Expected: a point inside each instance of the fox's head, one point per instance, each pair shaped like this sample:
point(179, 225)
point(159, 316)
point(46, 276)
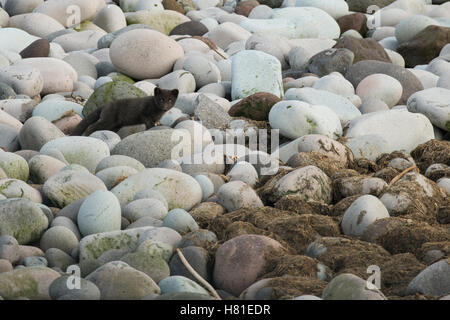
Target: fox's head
point(165, 99)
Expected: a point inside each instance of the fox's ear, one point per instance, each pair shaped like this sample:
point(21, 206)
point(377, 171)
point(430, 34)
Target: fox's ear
point(157, 91)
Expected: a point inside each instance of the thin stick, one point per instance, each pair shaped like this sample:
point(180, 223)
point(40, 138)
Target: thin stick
point(216, 51)
point(197, 276)
point(401, 174)
point(212, 48)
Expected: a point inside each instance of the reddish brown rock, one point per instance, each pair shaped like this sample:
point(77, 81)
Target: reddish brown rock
point(17, 253)
point(241, 260)
point(425, 46)
point(245, 7)
point(68, 123)
point(256, 107)
point(355, 21)
point(363, 49)
point(173, 5)
point(287, 79)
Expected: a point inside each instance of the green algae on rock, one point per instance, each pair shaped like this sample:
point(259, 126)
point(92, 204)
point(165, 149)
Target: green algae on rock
point(22, 219)
point(32, 283)
point(111, 91)
point(14, 166)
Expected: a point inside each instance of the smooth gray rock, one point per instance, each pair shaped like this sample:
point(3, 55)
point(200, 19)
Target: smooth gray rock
point(117, 280)
point(87, 291)
point(331, 60)
point(347, 286)
point(434, 280)
point(197, 258)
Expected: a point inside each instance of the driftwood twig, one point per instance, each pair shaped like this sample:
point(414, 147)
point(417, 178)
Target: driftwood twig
point(401, 174)
point(197, 276)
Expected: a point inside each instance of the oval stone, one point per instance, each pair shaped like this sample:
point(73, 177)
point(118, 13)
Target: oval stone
point(22, 219)
point(31, 283)
point(295, 119)
point(154, 146)
point(135, 52)
point(179, 189)
point(240, 261)
point(361, 213)
point(36, 132)
point(68, 186)
point(23, 79)
point(14, 166)
point(402, 130)
point(58, 75)
point(100, 212)
point(84, 151)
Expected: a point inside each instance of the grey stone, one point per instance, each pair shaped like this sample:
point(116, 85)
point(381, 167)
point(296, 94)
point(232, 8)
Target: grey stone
point(434, 280)
point(151, 147)
point(331, 60)
point(347, 286)
point(211, 114)
point(58, 258)
point(152, 265)
point(59, 237)
point(198, 259)
point(117, 280)
point(87, 290)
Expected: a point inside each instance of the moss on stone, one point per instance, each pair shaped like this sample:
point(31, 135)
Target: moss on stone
point(14, 166)
point(312, 125)
point(162, 21)
point(111, 91)
point(116, 76)
point(99, 246)
point(154, 266)
point(22, 219)
point(29, 282)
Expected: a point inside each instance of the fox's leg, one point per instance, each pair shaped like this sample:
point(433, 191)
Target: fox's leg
point(149, 124)
point(86, 122)
point(107, 121)
point(99, 125)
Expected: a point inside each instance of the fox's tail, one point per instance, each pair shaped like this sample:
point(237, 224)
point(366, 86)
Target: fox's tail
point(86, 122)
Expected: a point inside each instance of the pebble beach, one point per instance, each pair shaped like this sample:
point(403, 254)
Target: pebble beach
point(307, 155)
